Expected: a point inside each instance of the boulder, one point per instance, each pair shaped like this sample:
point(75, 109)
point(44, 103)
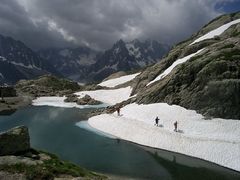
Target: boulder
point(87, 100)
point(71, 98)
point(14, 141)
point(94, 102)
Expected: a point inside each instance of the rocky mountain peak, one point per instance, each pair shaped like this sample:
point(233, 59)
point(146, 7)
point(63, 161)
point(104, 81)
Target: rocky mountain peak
point(17, 61)
point(127, 56)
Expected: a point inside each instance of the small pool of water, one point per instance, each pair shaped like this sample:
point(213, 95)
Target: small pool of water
point(54, 130)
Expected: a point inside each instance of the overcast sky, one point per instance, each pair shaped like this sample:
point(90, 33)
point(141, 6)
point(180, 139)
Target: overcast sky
point(100, 23)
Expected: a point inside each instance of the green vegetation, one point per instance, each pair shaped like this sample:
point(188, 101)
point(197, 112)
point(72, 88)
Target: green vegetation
point(228, 46)
point(47, 85)
point(230, 55)
point(55, 83)
point(51, 168)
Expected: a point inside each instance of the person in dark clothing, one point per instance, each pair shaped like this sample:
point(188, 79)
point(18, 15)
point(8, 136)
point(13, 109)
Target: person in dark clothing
point(175, 126)
point(156, 121)
point(118, 111)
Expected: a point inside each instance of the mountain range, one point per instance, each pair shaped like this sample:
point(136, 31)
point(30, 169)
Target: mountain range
point(85, 64)
point(17, 61)
point(82, 64)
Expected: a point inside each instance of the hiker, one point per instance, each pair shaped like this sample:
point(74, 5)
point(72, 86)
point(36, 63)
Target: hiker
point(175, 126)
point(2, 94)
point(156, 121)
point(118, 111)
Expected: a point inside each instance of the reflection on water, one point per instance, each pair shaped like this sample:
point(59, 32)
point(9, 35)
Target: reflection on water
point(54, 130)
point(7, 112)
point(179, 170)
point(85, 125)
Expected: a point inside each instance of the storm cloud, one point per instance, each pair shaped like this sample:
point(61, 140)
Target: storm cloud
point(99, 23)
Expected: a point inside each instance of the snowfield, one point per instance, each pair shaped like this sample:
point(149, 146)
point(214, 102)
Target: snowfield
point(109, 96)
point(215, 140)
point(170, 68)
point(117, 81)
point(216, 32)
point(59, 102)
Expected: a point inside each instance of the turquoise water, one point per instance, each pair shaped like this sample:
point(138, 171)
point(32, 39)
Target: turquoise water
point(54, 130)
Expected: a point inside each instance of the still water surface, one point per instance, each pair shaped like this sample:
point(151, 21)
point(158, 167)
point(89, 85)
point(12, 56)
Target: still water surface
point(54, 130)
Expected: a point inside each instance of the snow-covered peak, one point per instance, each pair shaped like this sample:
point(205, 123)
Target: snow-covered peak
point(133, 50)
point(216, 32)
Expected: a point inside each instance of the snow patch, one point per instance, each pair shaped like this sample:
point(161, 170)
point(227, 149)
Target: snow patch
point(215, 140)
point(110, 96)
point(59, 102)
point(30, 66)
point(177, 62)
point(116, 50)
point(133, 51)
point(2, 58)
point(1, 76)
point(117, 81)
point(216, 32)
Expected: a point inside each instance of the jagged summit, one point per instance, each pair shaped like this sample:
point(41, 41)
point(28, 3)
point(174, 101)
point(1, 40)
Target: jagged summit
point(85, 64)
point(17, 61)
point(126, 56)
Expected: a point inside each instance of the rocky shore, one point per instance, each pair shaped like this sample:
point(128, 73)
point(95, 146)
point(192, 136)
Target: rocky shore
point(19, 161)
point(10, 104)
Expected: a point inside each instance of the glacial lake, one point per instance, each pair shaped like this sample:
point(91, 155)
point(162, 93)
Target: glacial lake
point(54, 130)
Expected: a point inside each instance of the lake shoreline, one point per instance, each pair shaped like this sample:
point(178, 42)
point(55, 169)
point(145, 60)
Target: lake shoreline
point(147, 148)
point(89, 150)
point(11, 104)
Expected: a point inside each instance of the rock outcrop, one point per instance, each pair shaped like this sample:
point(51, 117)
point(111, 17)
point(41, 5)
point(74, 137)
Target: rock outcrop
point(7, 91)
point(47, 85)
point(14, 141)
point(71, 98)
point(86, 100)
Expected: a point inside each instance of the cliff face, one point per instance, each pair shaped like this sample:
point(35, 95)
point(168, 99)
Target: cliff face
point(208, 82)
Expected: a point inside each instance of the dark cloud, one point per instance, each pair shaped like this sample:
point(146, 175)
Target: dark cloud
point(99, 23)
